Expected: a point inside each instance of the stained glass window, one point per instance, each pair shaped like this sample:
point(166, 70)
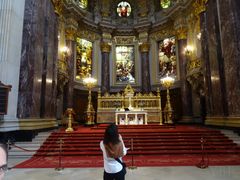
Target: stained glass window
point(165, 3)
point(83, 58)
point(124, 9)
point(82, 3)
point(125, 71)
point(167, 57)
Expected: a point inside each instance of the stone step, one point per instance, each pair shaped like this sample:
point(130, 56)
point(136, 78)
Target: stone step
point(26, 149)
point(232, 135)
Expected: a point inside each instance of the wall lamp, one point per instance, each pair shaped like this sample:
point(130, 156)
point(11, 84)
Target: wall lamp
point(188, 50)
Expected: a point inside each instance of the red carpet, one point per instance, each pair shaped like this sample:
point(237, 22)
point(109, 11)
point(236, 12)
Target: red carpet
point(153, 145)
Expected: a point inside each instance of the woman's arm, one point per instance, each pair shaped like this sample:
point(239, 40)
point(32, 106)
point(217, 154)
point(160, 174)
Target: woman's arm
point(123, 145)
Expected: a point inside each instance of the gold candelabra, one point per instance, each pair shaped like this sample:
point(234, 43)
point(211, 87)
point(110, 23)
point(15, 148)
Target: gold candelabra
point(90, 82)
point(167, 82)
point(69, 113)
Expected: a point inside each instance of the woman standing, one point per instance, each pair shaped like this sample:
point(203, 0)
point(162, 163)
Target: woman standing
point(3, 160)
point(113, 150)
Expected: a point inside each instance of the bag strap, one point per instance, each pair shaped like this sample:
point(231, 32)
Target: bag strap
point(118, 160)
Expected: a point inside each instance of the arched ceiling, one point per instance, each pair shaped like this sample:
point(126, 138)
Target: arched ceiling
point(101, 16)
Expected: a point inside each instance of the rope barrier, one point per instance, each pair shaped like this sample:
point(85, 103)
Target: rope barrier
point(27, 150)
point(60, 168)
point(132, 166)
point(203, 163)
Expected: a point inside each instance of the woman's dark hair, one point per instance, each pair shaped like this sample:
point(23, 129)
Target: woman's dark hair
point(111, 135)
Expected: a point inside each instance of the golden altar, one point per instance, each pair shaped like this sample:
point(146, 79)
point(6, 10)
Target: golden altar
point(133, 117)
point(111, 106)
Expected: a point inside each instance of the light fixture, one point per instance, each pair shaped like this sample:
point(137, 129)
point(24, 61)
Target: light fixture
point(168, 82)
point(199, 35)
point(90, 82)
point(65, 50)
point(188, 50)
point(165, 3)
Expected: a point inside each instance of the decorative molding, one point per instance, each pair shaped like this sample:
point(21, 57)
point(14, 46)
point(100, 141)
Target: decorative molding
point(125, 40)
point(166, 31)
point(195, 75)
point(89, 35)
point(223, 121)
point(31, 124)
point(62, 75)
point(143, 36)
point(193, 64)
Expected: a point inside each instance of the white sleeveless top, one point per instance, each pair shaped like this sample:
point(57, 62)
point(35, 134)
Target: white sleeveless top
point(110, 164)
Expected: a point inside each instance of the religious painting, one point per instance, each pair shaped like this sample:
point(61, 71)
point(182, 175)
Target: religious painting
point(167, 57)
point(83, 58)
point(125, 71)
point(124, 9)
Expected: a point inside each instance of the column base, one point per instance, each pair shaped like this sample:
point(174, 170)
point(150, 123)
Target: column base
point(223, 121)
point(190, 119)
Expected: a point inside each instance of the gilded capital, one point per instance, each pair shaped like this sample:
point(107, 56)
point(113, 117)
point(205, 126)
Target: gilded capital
point(105, 47)
point(58, 6)
point(199, 6)
point(181, 33)
point(70, 34)
point(71, 29)
point(144, 47)
point(180, 26)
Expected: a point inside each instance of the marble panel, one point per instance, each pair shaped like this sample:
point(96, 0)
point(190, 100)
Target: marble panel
point(51, 54)
point(37, 62)
point(38, 33)
point(185, 87)
point(231, 52)
point(212, 26)
point(70, 61)
point(26, 77)
point(206, 63)
point(105, 73)
point(146, 86)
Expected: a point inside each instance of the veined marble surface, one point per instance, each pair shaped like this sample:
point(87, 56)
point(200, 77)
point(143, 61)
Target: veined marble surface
point(141, 173)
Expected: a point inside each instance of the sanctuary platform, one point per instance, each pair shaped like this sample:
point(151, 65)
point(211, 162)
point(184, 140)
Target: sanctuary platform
point(150, 145)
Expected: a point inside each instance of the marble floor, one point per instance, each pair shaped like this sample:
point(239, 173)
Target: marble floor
point(141, 173)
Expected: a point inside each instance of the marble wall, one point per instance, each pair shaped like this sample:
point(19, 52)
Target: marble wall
point(215, 59)
point(230, 51)
point(222, 65)
point(39, 50)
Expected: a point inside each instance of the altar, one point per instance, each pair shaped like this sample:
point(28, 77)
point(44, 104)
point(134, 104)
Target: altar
point(133, 117)
point(129, 107)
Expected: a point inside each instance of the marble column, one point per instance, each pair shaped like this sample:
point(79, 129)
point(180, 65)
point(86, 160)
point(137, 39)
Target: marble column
point(50, 60)
point(144, 50)
point(36, 87)
point(214, 64)
point(206, 64)
point(71, 29)
point(105, 85)
point(229, 67)
point(71, 44)
point(186, 93)
point(11, 23)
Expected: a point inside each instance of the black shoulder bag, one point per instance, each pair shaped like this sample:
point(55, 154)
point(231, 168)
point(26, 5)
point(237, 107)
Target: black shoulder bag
point(123, 165)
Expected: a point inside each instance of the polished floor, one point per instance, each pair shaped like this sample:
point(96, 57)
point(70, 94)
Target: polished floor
point(143, 173)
